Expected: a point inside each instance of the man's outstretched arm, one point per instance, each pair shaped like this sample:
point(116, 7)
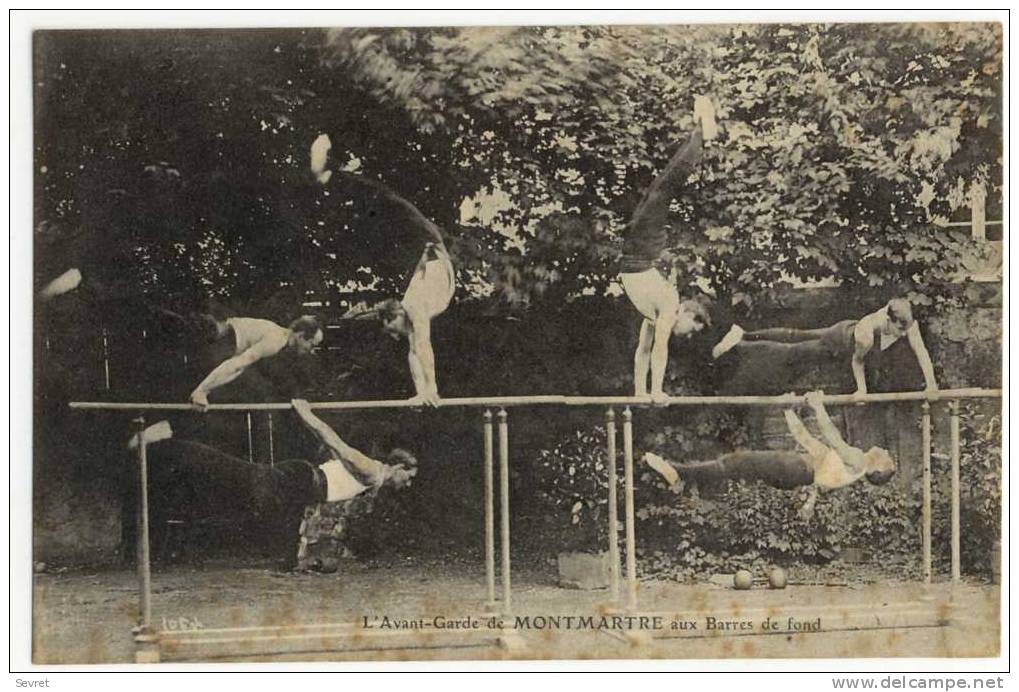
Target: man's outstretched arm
point(362, 464)
point(814, 447)
point(828, 430)
point(232, 368)
point(923, 357)
point(421, 357)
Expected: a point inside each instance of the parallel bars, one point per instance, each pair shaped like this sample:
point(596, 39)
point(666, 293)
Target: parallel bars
point(147, 638)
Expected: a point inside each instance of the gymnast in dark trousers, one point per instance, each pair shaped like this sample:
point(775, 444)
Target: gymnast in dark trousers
point(780, 349)
point(651, 287)
point(205, 482)
point(819, 466)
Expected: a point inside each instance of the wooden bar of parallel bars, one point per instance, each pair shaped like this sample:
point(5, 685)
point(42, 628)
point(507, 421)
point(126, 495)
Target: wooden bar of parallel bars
point(146, 637)
point(505, 401)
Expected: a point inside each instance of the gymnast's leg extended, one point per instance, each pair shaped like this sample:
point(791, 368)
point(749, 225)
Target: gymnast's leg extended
point(780, 469)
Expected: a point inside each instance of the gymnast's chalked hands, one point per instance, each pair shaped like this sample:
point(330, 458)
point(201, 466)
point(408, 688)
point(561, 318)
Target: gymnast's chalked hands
point(200, 400)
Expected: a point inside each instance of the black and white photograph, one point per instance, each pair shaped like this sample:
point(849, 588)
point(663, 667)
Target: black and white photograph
point(552, 341)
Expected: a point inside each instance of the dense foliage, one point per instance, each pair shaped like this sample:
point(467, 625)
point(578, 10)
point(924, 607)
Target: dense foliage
point(173, 168)
point(696, 532)
point(839, 145)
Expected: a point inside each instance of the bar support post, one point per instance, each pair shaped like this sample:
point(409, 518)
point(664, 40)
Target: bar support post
point(925, 425)
point(956, 490)
point(610, 433)
point(504, 513)
point(491, 604)
point(631, 537)
point(272, 446)
point(146, 639)
point(251, 442)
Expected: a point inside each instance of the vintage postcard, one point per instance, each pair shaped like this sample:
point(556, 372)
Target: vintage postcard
point(674, 341)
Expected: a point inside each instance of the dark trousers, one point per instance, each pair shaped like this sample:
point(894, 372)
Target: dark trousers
point(199, 484)
point(779, 469)
point(833, 341)
point(767, 361)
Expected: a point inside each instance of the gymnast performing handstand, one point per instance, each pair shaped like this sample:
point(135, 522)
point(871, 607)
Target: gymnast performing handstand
point(429, 291)
point(819, 466)
point(651, 290)
point(781, 348)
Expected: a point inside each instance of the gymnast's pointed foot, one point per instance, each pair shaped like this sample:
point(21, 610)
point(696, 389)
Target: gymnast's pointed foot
point(663, 468)
point(154, 433)
point(728, 342)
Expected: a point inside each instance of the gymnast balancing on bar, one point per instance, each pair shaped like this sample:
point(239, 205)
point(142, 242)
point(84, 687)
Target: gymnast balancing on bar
point(429, 291)
point(214, 482)
point(247, 340)
point(820, 466)
point(653, 292)
point(849, 339)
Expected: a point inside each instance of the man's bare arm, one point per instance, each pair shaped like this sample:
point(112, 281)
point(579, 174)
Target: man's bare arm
point(922, 355)
point(360, 463)
point(828, 430)
point(422, 359)
point(860, 351)
point(814, 447)
point(232, 368)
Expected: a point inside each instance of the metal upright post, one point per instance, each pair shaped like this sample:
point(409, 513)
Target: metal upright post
point(956, 530)
point(106, 359)
point(144, 636)
point(925, 424)
point(489, 512)
point(631, 537)
point(610, 432)
point(272, 447)
point(251, 443)
point(504, 515)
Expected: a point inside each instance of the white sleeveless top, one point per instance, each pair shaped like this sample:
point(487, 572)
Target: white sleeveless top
point(340, 482)
point(832, 472)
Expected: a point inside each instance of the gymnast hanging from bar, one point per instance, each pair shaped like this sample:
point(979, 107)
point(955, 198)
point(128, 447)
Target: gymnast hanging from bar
point(208, 482)
point(819, 466)
point(429, 290)
point(779, 349)
point(650, 288)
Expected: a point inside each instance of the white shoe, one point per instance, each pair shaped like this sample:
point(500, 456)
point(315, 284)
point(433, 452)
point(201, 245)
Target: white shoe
point(663, 468)
point(704, 111)
point(733, 337)
point(153, 433)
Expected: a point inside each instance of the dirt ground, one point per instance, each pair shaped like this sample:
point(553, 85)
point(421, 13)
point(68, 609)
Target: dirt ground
point(86, 617)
